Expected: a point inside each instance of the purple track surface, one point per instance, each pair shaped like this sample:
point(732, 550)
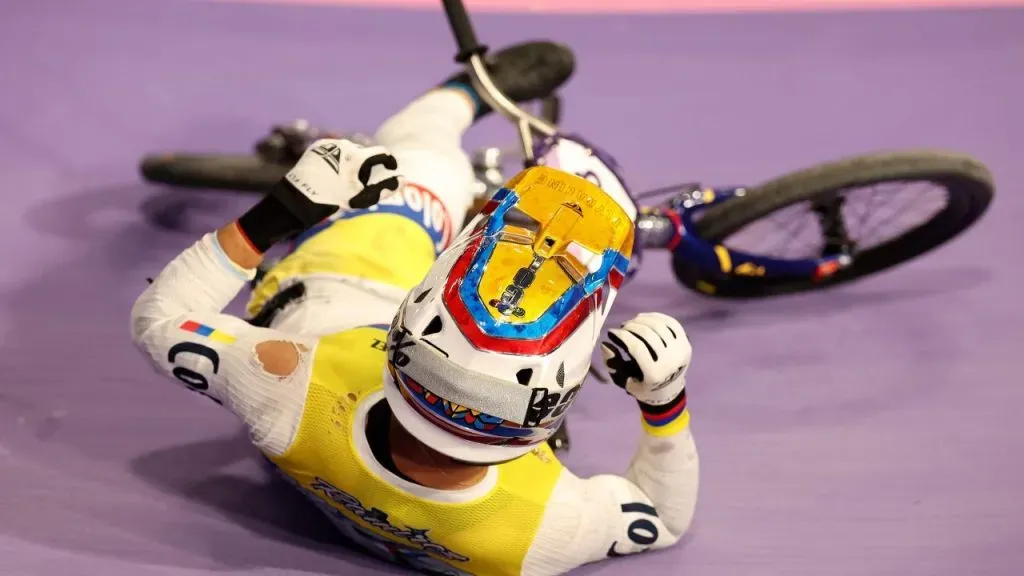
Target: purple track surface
point(873, 430)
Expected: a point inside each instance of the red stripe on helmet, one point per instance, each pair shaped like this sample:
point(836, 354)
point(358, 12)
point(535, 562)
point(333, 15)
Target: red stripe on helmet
point(482, 341)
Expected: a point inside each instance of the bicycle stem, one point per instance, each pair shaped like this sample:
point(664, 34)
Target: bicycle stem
point(525, 122)
point(654, 229)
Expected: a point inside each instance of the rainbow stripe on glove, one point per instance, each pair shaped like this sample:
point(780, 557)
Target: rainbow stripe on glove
point(667, 419)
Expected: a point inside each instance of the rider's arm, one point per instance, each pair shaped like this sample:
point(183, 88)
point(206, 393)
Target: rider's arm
point(259, 374)
point(605, 516)
point(652, 506)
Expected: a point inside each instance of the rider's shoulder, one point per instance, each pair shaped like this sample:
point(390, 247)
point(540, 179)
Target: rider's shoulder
point(350, 360)
point(366, 342)
point(370, 336)
point(282, 357)
point(538, 469)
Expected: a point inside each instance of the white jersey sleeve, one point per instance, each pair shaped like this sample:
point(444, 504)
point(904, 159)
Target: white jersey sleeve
point(591, 519)
point(177, 323)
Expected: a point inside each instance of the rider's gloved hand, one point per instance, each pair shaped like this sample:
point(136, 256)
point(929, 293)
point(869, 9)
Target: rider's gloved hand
point(332, 174)
point(343, 174)
point(648, 357)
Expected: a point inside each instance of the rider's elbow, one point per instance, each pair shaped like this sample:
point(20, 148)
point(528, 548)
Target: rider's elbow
point(279, 357)
point(150, 315)
point(678, 525)
point(145, 316)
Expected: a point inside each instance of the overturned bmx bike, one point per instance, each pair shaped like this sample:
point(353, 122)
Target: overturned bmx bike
point(798, 232)
point(711, 232)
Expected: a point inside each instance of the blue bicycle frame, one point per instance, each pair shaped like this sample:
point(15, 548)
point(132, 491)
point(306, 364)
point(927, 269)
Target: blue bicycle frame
point(719, 261)
point(714, 263)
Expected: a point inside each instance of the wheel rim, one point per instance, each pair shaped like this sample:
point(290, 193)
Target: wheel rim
point(851, 221)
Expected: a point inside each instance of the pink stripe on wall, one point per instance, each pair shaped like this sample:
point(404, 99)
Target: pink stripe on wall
point(624, 6)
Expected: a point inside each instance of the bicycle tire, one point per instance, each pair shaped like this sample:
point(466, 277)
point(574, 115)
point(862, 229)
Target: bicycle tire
point(228, 172)
point(967, 181)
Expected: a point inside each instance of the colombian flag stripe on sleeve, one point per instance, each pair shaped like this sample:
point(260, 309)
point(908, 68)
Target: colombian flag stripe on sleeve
point(207, 332)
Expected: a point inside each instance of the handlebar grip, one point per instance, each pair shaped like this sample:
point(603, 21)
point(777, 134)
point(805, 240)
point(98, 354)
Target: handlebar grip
point(462, 28)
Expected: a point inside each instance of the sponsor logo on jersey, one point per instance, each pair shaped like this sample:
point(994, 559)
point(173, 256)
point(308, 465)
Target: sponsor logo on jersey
point(379, 520)
point(413, 202)
point(413, 557)
point(421, 206)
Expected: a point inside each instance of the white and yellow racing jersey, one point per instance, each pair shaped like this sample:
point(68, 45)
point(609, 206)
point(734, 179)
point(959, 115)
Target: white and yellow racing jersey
point(487, 529)
point(531, 516)
point(324, 424)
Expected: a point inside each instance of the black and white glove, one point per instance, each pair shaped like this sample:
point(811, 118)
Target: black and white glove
point(648, 357)
point(332, 174)
point(344, 174)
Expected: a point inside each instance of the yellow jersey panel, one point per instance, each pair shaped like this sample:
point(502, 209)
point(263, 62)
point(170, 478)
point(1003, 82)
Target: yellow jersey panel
point(382, 247)
point(489, 535)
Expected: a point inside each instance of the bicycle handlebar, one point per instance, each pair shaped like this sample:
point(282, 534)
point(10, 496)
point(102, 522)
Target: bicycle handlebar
point(471, 54)
point(462, 29)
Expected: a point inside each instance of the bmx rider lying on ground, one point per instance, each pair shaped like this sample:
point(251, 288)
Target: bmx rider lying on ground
point(410, 390)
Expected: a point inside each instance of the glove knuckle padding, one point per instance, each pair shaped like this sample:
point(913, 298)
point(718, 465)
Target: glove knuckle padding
point(654, 317)
point(648, 356)
point(677, 328)
point(635, 346)
point(650, 340)
point(622, 365)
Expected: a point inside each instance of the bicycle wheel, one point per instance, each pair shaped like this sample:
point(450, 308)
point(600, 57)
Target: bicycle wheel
point(232, 172)
point(827, 192)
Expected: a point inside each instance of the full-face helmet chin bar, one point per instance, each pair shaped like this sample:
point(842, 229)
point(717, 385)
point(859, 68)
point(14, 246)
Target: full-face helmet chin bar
point(471, 54)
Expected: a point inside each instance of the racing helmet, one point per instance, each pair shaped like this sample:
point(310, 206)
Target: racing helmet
point(489, 351)
point(577, 156)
